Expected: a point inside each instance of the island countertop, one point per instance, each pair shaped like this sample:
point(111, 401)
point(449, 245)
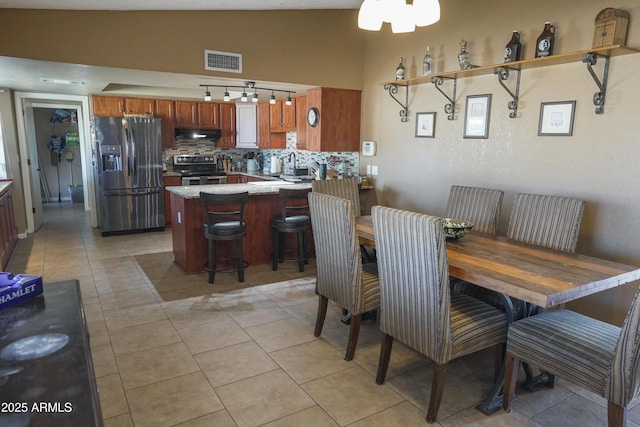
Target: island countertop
point(254, 188)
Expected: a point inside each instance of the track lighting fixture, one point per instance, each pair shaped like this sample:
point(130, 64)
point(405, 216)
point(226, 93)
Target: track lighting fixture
point(244, 97)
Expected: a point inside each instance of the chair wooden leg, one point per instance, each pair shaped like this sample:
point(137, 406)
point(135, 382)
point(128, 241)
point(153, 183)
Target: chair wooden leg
point(212, 260)
point(354, 331)
point(437, 389)
point(386, 343)
point(276, 246)
point(301, 251)
point(616, 415)
point(511, 375)
point(240, 261)
point(322, 313)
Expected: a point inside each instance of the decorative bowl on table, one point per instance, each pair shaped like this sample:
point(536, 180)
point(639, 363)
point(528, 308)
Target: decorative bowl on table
point(455, 228)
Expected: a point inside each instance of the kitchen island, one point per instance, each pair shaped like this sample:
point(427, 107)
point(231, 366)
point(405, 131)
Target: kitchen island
point(188, 216)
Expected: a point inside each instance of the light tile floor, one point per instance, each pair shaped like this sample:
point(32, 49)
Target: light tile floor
point(173, 350)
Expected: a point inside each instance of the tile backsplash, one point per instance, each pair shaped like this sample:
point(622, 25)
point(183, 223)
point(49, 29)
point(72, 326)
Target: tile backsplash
point(347, 162)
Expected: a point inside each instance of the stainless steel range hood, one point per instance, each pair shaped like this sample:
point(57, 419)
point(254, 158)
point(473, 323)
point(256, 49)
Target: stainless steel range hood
point(190, 134)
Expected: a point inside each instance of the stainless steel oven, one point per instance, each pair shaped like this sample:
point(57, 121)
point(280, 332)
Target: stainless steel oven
point(203, 180)
point(198, 169)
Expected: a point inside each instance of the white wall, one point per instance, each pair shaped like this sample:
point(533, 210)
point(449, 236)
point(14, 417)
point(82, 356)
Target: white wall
point(598, 163)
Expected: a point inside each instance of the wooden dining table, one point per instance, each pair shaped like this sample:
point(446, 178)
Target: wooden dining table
point(538, 276)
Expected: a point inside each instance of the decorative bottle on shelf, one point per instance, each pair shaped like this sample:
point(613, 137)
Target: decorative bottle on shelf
point(427, 63)
point(400, 70)
point(544, 45)
point(513, 51)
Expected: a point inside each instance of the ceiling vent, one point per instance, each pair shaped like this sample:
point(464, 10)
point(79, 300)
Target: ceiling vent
point(222, 61)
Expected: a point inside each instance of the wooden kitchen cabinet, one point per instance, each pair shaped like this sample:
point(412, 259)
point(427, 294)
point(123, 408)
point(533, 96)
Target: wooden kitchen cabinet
point(282, 117)
point(301, 122)
point(109, 106)
point(197, 114)
point(140, 106)
point(209, 113)
point(169, 181)
point(338, 127)
point(8, 232)
point(227, 126)
point(165, 111)
point(264, 130)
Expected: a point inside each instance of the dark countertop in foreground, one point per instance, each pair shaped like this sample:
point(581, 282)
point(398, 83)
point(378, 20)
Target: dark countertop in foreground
point(47, 379)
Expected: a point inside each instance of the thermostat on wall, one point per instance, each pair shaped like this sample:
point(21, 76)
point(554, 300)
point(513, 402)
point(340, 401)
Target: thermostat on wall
point(368, 148)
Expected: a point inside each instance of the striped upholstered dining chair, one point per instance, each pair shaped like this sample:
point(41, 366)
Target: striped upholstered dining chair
point(340, 274)
point(416, 306)
point(597, 356)
point(346, 188)
point(548, 221)
point(478, 205)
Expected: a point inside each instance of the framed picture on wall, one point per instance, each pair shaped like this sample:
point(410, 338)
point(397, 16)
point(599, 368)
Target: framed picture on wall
point(556, 118)
point(476, 116)
point(425, 125)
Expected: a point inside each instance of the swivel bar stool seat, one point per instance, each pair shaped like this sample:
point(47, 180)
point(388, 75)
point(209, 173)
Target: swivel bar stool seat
point(225, 221)
point(294, 218)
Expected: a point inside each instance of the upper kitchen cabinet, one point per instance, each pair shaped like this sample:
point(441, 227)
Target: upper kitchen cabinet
point(140, 106)
point(282, 117)
point(246, 126)
point(165, 111)
point(264, 131)
point(301, 122)
point(337, 127)
point(108, 106)
point(197, 114)
point(227, 126)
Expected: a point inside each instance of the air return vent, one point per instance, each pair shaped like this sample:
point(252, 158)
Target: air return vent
point(222, 61)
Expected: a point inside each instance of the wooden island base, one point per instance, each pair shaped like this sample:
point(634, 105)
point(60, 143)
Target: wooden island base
point(190, 247)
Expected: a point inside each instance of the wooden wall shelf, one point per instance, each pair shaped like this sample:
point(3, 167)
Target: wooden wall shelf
point(504, 70)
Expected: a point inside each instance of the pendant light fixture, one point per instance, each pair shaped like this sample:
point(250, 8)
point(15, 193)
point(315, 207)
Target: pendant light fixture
point(288, 100)
point(226, 97)
point(403, 17)
point(272, 98)
point(207, 94)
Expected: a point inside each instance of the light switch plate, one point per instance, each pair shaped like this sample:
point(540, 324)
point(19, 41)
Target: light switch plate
point(368, 169)
point(374, 170)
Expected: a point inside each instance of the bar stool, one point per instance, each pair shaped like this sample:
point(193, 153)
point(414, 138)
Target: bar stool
point(294, 218)
point(225, 221)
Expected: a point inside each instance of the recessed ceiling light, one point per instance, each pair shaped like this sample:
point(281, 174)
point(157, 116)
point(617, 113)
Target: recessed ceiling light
point(61, 82)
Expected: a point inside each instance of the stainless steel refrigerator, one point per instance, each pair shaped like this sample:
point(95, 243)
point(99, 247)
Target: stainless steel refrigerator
point(129, 174)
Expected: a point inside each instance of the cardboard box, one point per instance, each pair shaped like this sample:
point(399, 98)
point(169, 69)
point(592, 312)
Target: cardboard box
point(18, 288)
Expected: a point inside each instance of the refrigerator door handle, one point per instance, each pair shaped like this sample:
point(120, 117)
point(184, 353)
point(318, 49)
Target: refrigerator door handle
point(128, 146)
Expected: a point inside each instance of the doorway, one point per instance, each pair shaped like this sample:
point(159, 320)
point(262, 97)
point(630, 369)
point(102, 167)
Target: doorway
point(30, 161)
